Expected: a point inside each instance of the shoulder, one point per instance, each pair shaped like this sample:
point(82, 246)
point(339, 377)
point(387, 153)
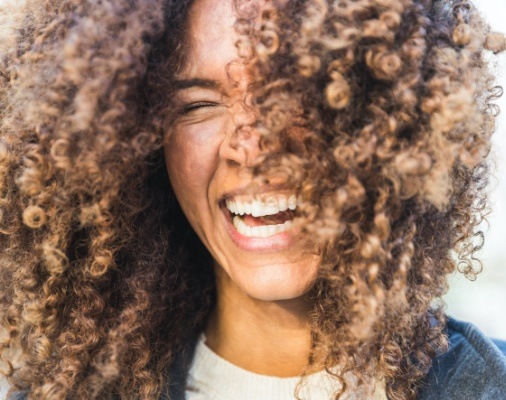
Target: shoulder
point(18, 396)
point(474, 367)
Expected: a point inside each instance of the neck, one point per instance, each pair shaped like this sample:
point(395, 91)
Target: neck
point(265, 337)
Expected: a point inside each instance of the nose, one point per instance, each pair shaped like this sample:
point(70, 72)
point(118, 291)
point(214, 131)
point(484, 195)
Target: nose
point(241, 144)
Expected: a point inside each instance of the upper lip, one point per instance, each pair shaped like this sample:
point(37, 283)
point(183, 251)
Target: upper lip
point(253, 191)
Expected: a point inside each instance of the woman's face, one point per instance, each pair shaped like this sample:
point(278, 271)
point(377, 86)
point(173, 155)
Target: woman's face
point(208, 161)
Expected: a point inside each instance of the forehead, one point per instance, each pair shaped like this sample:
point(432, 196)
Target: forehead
point(210, 37)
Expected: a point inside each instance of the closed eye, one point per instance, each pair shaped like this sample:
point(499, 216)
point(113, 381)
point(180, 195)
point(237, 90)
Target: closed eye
point(196, 106)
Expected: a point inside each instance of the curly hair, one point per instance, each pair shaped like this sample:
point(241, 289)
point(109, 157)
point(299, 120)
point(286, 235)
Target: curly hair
point(103, 279)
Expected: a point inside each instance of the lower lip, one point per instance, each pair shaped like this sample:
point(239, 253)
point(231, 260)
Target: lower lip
point(279, 241)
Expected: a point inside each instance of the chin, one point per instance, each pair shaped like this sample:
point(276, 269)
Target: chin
point(277, 283)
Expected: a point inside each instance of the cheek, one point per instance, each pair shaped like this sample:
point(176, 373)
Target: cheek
point(191, 156)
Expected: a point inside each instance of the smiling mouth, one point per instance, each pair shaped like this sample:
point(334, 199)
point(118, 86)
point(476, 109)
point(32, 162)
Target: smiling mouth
point(261, 217)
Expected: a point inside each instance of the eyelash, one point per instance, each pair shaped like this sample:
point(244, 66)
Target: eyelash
point(195, 106)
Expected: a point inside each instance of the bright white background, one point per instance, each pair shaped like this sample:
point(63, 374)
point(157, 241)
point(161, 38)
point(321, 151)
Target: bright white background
point(483, 301)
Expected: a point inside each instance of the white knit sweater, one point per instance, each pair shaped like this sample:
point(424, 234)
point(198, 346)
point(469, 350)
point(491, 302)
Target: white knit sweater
point(214, 378)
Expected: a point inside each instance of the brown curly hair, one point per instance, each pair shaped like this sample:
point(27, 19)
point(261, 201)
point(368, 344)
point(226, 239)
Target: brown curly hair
point(104, 281)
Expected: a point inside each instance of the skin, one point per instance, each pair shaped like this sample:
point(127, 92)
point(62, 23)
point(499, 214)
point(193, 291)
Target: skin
point(262, 294)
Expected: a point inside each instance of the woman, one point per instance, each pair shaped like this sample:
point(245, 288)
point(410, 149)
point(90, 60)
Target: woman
point(217, 199)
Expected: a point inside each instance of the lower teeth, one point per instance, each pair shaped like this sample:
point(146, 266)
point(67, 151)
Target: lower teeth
point(260, 231)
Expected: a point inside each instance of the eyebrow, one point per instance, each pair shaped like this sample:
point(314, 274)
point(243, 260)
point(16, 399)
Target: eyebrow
point(195, 82)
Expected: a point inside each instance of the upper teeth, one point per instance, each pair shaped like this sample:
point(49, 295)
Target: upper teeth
point(262, 207)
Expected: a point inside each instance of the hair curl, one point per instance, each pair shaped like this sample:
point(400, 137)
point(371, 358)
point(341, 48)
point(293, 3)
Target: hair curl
point(103, 279)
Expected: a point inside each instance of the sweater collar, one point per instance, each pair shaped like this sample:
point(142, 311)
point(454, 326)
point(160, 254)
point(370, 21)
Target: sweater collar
point(214, 378)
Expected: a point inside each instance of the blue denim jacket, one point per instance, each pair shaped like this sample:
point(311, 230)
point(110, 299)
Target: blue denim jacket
point(473, 368)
